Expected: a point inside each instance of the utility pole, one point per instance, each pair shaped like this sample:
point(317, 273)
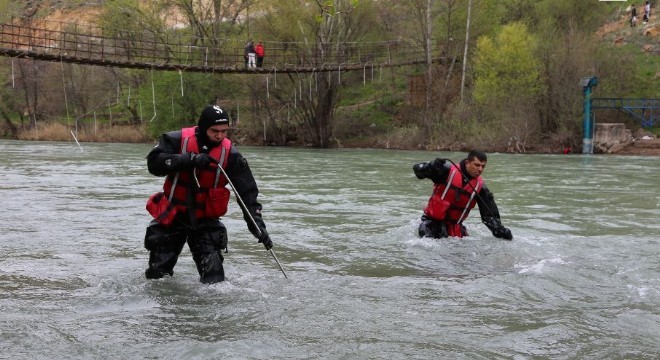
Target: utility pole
point(247, 12)
point(465, 52)
point(429, 67)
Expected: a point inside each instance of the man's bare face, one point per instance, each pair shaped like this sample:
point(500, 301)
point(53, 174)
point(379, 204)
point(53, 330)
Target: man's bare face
point(217, 133)
point(475, 167)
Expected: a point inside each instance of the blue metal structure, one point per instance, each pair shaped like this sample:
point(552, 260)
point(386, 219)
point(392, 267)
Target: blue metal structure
point(588, 138)
point(646, 111)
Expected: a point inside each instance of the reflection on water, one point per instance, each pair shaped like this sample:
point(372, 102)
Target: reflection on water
point(580, 279)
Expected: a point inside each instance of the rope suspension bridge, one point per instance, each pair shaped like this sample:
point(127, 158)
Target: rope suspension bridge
point(85, 44)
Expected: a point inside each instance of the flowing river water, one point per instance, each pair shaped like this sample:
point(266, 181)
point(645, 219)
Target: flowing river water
point(580, 279)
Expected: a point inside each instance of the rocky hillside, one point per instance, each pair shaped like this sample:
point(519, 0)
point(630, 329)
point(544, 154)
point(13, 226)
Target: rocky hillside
point(647, 37)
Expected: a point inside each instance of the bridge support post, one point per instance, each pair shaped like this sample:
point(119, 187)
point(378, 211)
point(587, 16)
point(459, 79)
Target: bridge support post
point(588, 127)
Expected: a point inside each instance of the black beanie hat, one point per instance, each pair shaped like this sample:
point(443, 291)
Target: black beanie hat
point(211, 115)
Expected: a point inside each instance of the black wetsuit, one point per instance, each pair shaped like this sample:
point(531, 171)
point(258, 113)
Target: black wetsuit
point(438, 171)
point(206, 237)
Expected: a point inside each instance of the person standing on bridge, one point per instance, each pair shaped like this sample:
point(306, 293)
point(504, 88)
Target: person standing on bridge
point(249, 49)
point(259, 50)
point(194, 197)
point(456, 190)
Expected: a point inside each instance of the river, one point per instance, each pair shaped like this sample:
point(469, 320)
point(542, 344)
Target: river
point(580, 279)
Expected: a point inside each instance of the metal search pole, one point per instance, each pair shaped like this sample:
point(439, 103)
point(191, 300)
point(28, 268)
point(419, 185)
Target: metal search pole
point(245, 210)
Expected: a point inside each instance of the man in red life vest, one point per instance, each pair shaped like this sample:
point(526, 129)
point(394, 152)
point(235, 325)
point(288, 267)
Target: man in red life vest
point(456, 190)
point(194, 197)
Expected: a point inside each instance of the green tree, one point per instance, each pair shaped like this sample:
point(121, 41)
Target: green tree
point(506, 65)
point(323, 32)
point(508, 80)
point(569, 50)
point(565, 14)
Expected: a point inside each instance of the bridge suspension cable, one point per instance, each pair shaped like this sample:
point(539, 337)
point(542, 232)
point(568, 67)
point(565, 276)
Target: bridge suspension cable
point(85, 44)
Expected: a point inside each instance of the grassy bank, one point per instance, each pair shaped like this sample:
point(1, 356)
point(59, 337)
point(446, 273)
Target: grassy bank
point(61, 132)
point(398, 139)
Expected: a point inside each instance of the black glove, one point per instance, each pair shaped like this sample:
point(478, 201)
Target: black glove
point(201, 161)
point(498, 230)
point(264, 238)
point(260, 232)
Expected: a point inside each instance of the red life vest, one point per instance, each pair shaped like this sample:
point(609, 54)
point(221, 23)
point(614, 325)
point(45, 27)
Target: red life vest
point(212, 197)
point(452, 204)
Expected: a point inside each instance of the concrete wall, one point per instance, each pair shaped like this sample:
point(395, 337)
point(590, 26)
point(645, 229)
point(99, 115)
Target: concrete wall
point(610, 138)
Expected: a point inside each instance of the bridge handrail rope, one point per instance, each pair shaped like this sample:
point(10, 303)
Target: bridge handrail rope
point(56, 41)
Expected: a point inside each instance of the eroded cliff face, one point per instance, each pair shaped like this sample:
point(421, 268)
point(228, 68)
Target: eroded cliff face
point(63, 11)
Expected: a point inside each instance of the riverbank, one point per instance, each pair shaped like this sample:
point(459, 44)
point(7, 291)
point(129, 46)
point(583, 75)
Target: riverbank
point(60, 132)
point(648, 147)
point(642, 145)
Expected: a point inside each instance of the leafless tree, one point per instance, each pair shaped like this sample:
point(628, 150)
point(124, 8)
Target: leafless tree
point(204, 18)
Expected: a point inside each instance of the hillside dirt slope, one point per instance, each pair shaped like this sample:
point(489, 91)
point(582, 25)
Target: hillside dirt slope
point(647, 37)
